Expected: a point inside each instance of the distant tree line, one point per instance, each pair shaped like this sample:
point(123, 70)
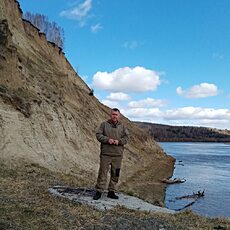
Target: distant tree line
point(184, 133)
point(54, 33)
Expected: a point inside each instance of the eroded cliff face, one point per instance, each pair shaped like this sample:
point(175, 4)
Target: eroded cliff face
point(47, 115)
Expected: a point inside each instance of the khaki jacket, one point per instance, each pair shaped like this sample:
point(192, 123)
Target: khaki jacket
point(109, 130)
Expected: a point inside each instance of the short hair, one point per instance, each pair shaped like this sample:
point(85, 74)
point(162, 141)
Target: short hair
point(116, 110)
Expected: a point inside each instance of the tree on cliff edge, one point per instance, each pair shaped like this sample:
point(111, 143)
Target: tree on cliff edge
point(54, 33)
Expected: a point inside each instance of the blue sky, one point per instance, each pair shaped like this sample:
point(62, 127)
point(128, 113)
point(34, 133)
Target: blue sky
point(161, 61)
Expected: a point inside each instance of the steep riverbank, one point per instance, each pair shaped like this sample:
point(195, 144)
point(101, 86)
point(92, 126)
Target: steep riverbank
point(48, 115)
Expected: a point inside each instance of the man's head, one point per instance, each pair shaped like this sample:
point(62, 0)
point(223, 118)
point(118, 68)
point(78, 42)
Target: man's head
point(115, 115)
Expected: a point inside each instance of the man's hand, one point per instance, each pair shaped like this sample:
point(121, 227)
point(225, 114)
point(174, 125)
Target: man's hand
point(111, 141)
point(115, 142)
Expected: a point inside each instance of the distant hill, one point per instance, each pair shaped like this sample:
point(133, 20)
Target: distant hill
point(169, 133)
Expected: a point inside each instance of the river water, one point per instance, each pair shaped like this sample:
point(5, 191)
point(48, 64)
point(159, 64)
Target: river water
point(205, 166)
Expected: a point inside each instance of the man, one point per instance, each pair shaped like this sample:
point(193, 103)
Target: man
point(113, 136)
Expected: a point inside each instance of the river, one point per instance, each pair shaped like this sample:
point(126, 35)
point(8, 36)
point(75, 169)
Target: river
point(205, 166)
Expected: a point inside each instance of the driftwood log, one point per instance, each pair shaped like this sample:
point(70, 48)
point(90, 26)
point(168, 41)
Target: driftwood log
point(173, 181)
point(194, 196)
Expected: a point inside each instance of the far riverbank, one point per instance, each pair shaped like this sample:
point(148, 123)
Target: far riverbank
point(167, 133)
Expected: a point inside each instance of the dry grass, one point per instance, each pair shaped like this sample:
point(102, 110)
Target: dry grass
point(26, 204)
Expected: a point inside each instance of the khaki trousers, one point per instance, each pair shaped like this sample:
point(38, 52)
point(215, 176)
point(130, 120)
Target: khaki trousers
point(105, 162)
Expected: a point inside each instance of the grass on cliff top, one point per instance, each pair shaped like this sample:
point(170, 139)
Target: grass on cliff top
point(25, 203)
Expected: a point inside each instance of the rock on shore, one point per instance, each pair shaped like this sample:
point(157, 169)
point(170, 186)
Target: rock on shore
point(85, 196)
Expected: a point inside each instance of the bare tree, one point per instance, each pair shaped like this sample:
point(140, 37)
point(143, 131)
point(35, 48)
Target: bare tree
point(53, 31)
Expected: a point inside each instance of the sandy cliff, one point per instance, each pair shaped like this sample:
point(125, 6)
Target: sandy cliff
point(48, 117)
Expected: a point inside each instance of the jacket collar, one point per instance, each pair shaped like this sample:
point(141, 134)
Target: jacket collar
point(114, 124)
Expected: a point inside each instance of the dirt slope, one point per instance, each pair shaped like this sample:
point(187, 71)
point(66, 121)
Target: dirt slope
point(47, 116)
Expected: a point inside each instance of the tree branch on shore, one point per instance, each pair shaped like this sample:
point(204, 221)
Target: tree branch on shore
point(194, 196)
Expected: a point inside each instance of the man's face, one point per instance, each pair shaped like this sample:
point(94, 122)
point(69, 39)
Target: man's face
point(115, 115)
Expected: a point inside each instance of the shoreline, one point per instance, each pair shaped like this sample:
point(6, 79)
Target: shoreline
point(194, 167)
point(36, 208)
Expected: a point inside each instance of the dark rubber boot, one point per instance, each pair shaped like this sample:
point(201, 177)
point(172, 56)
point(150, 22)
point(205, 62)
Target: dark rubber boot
point(112, 195)
point(97, 196)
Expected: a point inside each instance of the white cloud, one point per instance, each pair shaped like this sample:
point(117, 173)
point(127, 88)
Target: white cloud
point(215, 123)
point(118, 97)
point(126, 79)
point(197, 116)
point(111, 104)
point(143, 114)
point(188, 116)
point(194, 113)
point(130, 44)
point(96, 28)
point(79, 13)
point(199, 91)
point(146, 103)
